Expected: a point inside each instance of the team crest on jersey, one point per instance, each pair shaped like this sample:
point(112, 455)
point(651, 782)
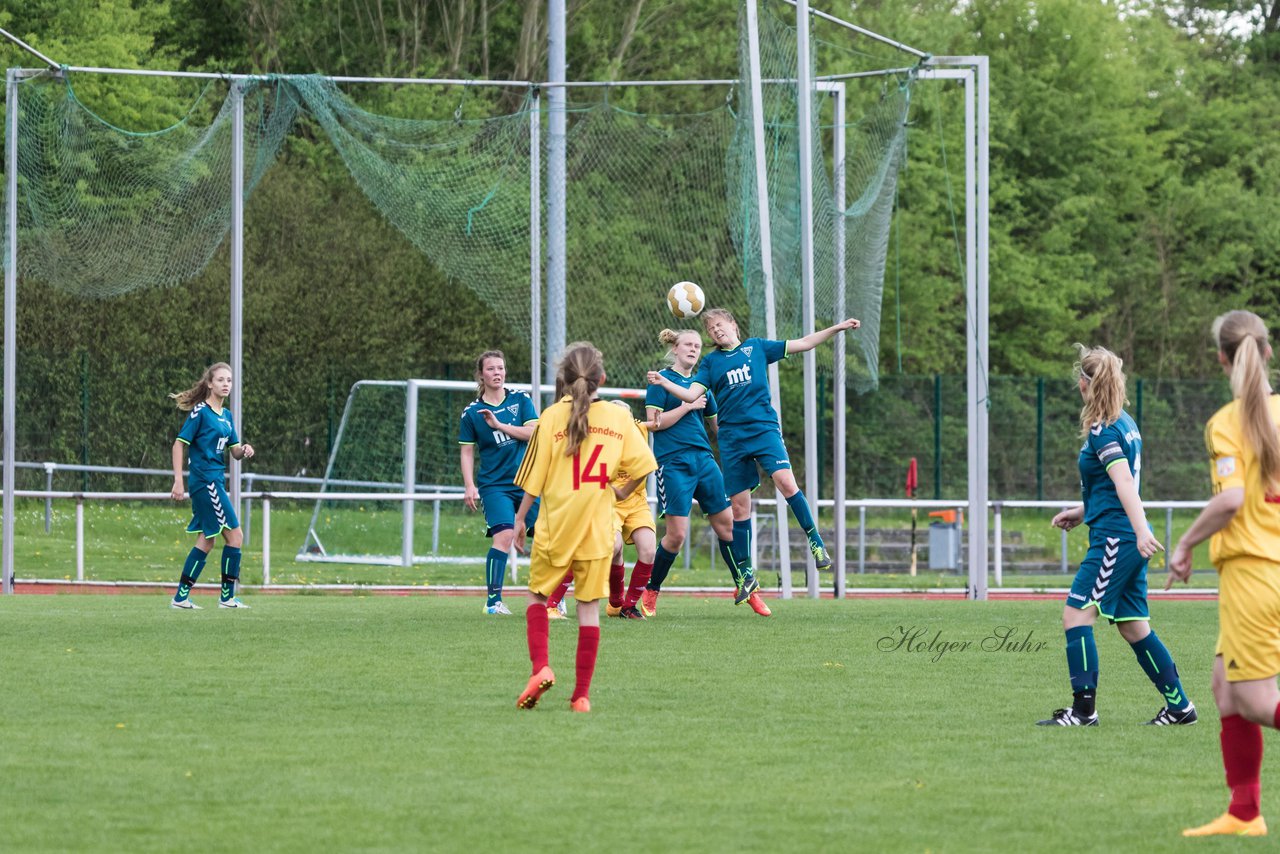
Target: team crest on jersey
point(1226, 466)
point(746, 351)
point(513, 408)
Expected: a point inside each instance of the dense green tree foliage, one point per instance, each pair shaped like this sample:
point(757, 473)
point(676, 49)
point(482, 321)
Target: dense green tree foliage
point(1133, 188)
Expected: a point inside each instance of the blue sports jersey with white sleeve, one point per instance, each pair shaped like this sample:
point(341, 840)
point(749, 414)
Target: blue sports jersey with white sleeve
point(1104, 447)
point(500, 453)
point(739, 379)
point(689, 433)
point(207, 434)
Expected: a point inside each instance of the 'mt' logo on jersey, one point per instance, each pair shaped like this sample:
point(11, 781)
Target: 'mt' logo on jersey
point(738, 376)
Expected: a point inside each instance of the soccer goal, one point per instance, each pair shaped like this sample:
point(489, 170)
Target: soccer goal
point(400, 437)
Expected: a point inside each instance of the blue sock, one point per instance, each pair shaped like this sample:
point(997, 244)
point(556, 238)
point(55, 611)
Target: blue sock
point(1082, 659)
point(727, 551)
point(800, 507)
point(230, 572)
point(495, 566)
point(741, 546)
point(1158, 664)
point(661, 566)
point(190, 572)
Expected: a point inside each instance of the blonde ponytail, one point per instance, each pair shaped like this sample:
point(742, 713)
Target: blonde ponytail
point(1104, 396)
point(580, 372)
point(1242, 337)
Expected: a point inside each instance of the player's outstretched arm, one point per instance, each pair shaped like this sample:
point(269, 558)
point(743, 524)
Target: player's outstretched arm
point(688, 395)
point(808, 342)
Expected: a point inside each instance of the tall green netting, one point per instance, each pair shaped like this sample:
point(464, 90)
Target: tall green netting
point(646, 208)
point(104, 211)
point(875, 147)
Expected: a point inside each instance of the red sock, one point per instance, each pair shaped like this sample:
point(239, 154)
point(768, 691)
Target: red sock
point(639, 578)
point(558, 595)
point(1276, 722)
point(1242, 757)
point(536, 628)
point(617, 572)
point(588, 647)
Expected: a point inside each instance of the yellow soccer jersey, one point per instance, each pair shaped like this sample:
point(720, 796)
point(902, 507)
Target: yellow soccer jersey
point(637, 500)
point(1255, 530)
point(575, 521)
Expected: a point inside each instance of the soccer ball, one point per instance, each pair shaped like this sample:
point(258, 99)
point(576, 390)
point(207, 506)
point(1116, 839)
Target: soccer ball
point(685, 300)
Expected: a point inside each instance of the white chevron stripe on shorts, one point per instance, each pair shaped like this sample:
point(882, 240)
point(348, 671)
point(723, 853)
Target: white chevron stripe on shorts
point(1109, 555)
point(217, 504)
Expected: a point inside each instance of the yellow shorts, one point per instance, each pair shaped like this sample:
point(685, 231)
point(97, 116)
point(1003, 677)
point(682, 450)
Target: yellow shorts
point(1249, 619)
point(590, 577)
point(629, 522)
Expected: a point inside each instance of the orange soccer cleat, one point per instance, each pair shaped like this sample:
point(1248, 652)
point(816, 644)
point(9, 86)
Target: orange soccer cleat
point(649, 603)
point(1228, 825)
point(757, 604)
point(582, 704)
point(538, 685)
point(612, 610)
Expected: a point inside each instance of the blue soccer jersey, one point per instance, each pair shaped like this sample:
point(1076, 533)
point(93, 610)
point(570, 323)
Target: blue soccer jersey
point(689, 433)
point(500, 454)
point(207, 434)
point(739, 379)
point(1104, 447)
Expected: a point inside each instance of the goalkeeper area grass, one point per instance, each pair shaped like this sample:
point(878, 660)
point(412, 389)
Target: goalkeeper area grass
point(389, 722)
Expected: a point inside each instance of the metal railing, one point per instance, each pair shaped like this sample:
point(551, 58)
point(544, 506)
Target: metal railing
point(762, 509)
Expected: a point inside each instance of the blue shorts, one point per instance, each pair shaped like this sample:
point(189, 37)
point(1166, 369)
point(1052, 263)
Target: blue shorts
point(689, 476)
point(211, 510)
point(500, 504)
point(739, 460)
point(1113, 578)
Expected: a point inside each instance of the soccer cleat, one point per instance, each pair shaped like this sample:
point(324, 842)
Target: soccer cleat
point(582, 704)
point(613, 610)
point(632, 613)
point(1069, 717)
point(497, 608)
point(649, 603)
point(184, 605)
point(556, 614)
point(538, 685)
point(1228, 825)
point(756, 601)
point(821, 559)
point(1174, 717)
point(748, 586)
point(233, 602)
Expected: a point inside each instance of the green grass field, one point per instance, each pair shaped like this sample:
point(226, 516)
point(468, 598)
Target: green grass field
point(388, 723)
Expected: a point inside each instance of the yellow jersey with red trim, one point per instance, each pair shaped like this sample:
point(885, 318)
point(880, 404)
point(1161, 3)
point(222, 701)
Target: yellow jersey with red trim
point(575, 521)
point(1254, 531)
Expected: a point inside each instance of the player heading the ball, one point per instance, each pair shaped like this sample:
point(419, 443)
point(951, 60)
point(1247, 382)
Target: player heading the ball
point(736, 372)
